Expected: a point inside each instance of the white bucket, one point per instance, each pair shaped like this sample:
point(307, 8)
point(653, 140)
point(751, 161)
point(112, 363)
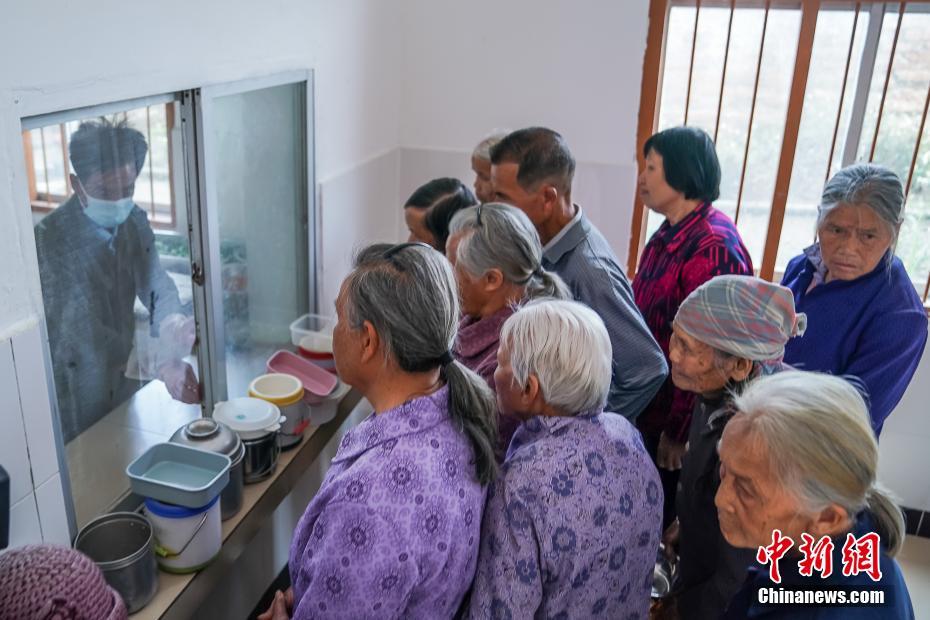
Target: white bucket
point(186, 539)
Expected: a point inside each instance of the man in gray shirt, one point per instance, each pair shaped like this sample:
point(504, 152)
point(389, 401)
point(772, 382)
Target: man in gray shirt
point(97, 255)
point(532, 169)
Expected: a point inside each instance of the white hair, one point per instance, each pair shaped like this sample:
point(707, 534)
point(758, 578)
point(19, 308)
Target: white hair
point(566, 346)
point(483, 150)
point(816, 432)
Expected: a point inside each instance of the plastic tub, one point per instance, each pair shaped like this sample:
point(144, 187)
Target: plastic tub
point(317, 383)
point(251, 418)
point(177, 474)
point(186, 539)
point(314, 325)
point(120, 543)
point(285, 392)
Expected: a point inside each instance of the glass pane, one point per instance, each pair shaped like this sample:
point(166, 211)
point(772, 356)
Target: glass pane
point(882, 58)
point(907, 92)
point(768, 129)
point(737, 101)
point(675, 71)
point(708, 67)
point(815, 136)
point(261, 202)
point(118, 308)
point(913, 247)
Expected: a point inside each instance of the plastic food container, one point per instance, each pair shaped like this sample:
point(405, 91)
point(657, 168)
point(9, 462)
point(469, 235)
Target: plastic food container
point(170, 472)
point(314, 325)
point(318, 348)
point(317, 383)
point(121, 545)
point(286, 392)
point(186, 539)
point(209, 434)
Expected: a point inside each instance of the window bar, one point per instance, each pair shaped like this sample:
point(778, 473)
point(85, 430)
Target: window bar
point(881, 104)
point(64, 156)
point(169, 127)
point(752, 112)
point(809, 11)
point(863, 83)
point(723, 75)
point(697, 15)
point(30, 164)
point(650, 89)
point(839, 108)
point(920, 133)
point(148, 135)
point(44, 164)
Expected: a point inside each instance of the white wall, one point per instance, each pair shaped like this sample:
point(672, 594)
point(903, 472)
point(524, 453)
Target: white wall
point(471, 67)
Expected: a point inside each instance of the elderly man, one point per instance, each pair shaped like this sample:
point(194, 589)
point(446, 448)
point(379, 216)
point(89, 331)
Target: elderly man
point(532, 169)
point(572, 525)
point(799, 457)
point(728, 331)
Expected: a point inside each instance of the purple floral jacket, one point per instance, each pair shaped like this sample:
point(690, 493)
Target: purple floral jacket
point(393, 531)
point(572, 526)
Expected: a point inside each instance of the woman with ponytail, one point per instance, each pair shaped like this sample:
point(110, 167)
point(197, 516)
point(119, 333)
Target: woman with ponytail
point(497, 257)
point(394, 529)
point(800, 456)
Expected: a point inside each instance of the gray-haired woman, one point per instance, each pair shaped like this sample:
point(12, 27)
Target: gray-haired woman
point(481, 165)
point(799, 458)
point(864, 315)
point(497, 257)
point(393, 531)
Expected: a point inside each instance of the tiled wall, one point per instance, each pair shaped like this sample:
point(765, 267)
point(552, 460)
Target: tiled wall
point(27, 444)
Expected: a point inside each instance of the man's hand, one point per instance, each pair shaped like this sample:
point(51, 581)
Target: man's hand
point(670, 452)
point(281, 606)
point(670, 542)
point(181, 381)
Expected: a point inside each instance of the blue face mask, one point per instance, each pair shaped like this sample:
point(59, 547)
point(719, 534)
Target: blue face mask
point(108, 213)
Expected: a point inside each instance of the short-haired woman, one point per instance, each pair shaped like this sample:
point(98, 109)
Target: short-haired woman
point(394, 529)
point(865, 316)
point(498, 264)
point(800, 457)
point(572, 525)
point(696, 242)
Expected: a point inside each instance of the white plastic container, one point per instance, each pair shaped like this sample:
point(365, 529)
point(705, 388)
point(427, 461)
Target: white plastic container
point(252, 418)
point(186, 539)
point(317, 326)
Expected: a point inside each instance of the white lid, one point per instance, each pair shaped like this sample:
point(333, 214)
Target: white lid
point(247, 414)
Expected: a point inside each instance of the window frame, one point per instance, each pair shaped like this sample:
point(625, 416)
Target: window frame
point(651, 87)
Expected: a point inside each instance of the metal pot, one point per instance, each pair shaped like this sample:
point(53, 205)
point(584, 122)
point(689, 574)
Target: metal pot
point(261, 457)
point(208, 434)
point(121, 545)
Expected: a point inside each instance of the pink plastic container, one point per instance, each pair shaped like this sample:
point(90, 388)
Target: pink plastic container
point(318, 384)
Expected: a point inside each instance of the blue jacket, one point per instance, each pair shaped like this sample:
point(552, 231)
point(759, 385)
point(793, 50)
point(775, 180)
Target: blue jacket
point(873, 327)
point(897, 600)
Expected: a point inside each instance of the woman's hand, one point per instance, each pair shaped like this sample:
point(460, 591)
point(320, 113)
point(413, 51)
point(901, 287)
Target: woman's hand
point(670, 453)
point(281, 606)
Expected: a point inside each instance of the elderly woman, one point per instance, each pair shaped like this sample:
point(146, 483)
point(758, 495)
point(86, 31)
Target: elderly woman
point(481, 165)
point(572, 525)
point(695, 243)
point(799, 456)
point(727, 332)
point(498, 264)
point(865, 316)
point(393, 531)
point(431, 207)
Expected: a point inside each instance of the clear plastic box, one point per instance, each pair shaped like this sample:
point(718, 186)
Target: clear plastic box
point(311, 325)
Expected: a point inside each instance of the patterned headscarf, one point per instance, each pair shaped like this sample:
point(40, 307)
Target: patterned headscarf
point(744, 316)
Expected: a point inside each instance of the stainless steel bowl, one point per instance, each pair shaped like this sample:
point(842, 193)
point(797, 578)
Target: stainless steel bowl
point(121, 545)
